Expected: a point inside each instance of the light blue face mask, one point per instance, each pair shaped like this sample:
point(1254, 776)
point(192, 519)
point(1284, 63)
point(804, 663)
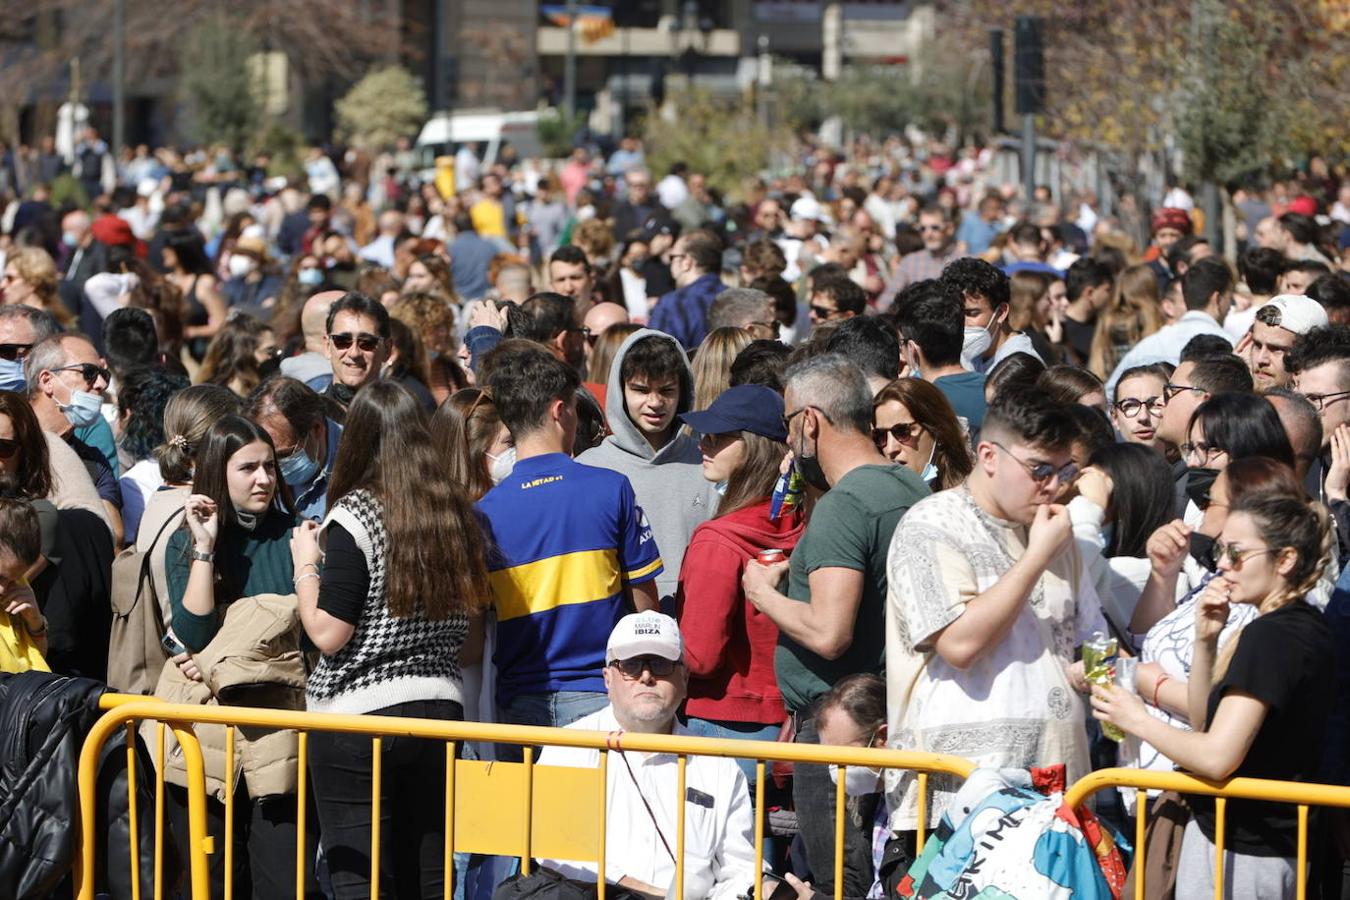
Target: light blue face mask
point(930, 471)
point(310, 277)
point(298, 468)
point(83, 409)
point(11, 375)
point(721, 488)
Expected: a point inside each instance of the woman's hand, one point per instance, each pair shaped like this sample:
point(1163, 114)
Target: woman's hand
point(1054, 328)
point(1077, 673)
point(489, 315)
point(1211, 609)
point(187, 666)
point(1338, 476)
point(203, 520)
point(1094, 484)
point(1167, 547)
point(1114, 704)
point(305, 546)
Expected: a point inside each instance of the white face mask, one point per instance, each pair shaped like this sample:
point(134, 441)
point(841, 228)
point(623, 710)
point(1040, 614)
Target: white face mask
point(241, 265)
point(976, 341)
point(501, 464)
point(859, 781)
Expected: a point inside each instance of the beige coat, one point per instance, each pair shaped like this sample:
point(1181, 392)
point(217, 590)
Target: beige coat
point(254, 660)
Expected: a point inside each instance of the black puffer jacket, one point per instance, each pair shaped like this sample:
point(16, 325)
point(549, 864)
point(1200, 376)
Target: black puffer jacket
point(44, 719)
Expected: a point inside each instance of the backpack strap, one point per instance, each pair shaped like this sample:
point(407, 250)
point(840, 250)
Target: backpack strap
point(149, 553)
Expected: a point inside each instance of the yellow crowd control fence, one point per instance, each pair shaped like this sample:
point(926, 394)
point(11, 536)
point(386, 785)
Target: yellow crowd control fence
point(492, 808)
point(1298, 794)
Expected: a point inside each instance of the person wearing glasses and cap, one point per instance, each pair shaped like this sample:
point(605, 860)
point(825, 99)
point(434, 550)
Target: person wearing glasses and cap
point(988, 599)
point(357, 345)
point(66, 380)
point(646, 680)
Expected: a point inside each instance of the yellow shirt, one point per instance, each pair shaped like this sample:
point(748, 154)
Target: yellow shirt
point(489, 219)
point(18, 653)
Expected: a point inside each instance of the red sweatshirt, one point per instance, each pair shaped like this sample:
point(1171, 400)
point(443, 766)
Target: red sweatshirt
point(728, 644)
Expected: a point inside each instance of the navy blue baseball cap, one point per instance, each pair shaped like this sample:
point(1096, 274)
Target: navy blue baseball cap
point(746, 407)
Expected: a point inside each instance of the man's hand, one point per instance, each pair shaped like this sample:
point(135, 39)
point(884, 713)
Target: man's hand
point(488, 314)
point(1167, 547)
point(1049, 532)
point(759, 580)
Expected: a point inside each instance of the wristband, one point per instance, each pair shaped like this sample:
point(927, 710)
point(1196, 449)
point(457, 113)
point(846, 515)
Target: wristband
point(199, 556)
point(1158, 684)
point(303, 576)
point(39, 632)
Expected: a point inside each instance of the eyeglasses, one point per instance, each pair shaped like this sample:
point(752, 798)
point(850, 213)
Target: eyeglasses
point(8, 447)
point(931, 227)
point(365, 342)
point(1130, 406)
point(1042, 472)
point(1171, 390)
point(675, 256)
point(787, 420)
point(1235, 555)
point(88, 371)
point(1201, 451)
point(12, 352)
point(1321, 401)
point(823, 312)
point(632, 669)
point(768, 327)
point(901, 431)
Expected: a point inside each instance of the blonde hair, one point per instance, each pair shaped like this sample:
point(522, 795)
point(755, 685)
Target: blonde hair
point(606, 348)
point(596, 240)
point(1134, 313)
point(1286, 522)
point(712, 363)
point(36, 267)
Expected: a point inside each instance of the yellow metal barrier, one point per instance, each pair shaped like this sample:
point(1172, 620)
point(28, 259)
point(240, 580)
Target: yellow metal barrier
point(1301, 794)
point(478, 795)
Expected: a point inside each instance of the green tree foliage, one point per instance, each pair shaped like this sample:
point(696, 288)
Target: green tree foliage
point(557, 133)
point(719, 137)
point(217, 84)
point(385, 105)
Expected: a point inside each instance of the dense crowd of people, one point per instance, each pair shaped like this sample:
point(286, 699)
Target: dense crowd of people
point(864, 458)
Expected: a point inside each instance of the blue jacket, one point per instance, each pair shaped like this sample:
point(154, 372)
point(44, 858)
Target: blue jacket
point(683, 313)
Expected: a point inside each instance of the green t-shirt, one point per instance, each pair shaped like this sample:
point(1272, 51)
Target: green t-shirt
point(850, 528)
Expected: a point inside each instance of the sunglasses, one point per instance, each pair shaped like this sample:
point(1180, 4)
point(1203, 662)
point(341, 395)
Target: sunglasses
point(88, 371)
point(1130, 408)
point(901, 431)
point(12, 352)
point(8, 447)
point(1235, 555)
point(632, 669)
point(931, 227)
point(365, 342)
point(1042, 472)
point(823, 312)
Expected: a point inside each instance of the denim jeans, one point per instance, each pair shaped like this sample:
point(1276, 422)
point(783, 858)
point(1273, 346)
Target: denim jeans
point(736, 731)
point(412, 814)
point(555, 710)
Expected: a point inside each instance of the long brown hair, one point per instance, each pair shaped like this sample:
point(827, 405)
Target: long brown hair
point(33, 480)
point(462, 428)
point(753, 482)
point(931, 409)
point(435, 556)
point(1025, 290)
point(1135, 312)
point(606, 348)
point(232, 354)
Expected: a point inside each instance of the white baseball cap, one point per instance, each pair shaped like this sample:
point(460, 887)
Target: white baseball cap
point(808, 207)
point(1297, 313)
point(645, 634)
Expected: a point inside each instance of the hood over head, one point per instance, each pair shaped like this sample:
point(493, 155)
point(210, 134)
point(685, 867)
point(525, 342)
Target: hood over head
point(624, 433)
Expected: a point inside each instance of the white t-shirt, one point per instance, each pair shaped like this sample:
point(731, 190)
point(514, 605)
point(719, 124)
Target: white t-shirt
point(719, 850)
point(1014, 708)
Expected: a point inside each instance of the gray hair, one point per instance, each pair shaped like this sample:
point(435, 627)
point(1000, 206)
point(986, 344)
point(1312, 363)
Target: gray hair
point(46, 355)
point(44, 324)
point(1298, 411)
point(835, 385)
point(736, 307)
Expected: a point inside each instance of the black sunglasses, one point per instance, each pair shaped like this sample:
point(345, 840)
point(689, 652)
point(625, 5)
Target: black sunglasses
point(12, 352)
point(8, 447)
point(365, 342)
point(901, 431)
point(657, 665)
point(823, 312)
point(88, 371)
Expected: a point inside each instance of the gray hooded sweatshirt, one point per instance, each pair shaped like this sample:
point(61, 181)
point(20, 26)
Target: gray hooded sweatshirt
point(669, 482)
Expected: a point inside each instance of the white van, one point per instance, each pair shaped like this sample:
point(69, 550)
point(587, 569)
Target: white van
point(445, 133)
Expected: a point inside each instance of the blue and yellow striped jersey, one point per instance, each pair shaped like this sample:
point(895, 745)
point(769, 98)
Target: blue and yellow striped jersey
point(564, 541)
